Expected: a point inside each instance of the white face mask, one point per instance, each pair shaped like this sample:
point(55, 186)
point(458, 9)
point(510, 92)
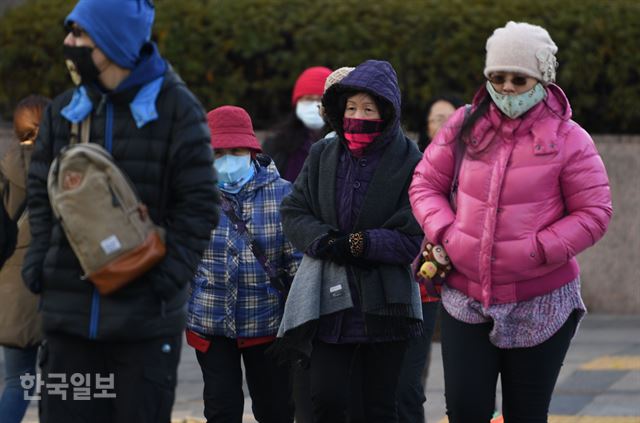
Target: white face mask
point(515, 105)
point(309, 113)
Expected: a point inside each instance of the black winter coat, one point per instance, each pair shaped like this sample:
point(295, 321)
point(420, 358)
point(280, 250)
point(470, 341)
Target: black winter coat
point(169, 160)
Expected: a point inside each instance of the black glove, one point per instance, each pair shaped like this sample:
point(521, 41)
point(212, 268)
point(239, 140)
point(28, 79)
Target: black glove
point(339, 251)
point(344, 248)
point(323, 251)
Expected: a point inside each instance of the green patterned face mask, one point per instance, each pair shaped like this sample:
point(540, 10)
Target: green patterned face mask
point(516, 105)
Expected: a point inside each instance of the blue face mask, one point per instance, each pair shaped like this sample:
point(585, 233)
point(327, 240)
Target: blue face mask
point(234, 172)
point(516, 105)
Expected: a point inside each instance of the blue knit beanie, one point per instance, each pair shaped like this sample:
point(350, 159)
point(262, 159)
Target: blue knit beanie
point(118, 27)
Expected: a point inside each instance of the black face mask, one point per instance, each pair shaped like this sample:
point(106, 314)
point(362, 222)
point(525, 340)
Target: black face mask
point(80, 64)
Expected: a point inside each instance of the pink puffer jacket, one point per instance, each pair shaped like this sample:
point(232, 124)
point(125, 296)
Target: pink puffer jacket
point(533, 192)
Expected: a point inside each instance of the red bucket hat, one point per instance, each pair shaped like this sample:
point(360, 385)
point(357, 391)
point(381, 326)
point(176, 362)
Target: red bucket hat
point(310, 82)
point(231, 127)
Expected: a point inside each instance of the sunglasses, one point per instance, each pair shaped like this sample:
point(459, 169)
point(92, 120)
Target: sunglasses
point(75, 30)
point(517, 80)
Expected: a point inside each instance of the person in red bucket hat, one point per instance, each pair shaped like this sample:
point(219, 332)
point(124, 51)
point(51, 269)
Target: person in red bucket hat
point(238, 292)
point(293, 137)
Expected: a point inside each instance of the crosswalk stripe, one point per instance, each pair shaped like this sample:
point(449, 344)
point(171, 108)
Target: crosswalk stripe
point(593, 419)
point(584, 419)
point(613, 362)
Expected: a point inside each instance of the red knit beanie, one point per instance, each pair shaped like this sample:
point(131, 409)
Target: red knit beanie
point(231, 127)
point(310, 82)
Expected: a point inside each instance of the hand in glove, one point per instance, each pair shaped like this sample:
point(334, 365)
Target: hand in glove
point(324, 246)
point(344, 248)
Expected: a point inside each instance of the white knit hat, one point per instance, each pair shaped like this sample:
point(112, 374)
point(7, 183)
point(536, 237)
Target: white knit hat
point(523, 48)
point(337, 76)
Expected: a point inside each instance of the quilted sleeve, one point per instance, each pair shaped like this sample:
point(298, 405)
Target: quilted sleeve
point(429, 190)
point(193, 211)
point(40, 214)
point(587, 198)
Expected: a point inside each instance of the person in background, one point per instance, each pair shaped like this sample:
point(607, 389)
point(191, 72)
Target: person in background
point(291, 140)
point(349, 213)
point(437, 112)
point(235, 305)
point(533, 193)
point(128, 342)
point(415, 368)
point(20, 325)
point(335, 77)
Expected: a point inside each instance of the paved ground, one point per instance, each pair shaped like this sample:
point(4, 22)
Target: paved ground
point(599, 383)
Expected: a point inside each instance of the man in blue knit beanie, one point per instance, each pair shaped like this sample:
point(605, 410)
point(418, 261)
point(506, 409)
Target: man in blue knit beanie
point(116, 33)
point(114, 358)
point(119, 28)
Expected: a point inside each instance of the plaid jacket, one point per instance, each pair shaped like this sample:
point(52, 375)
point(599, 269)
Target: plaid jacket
point(230, 293)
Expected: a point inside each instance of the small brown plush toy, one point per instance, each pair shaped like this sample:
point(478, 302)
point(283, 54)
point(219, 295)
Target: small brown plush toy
point(435, 262)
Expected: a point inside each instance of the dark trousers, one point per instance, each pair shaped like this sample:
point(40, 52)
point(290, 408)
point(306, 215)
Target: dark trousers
point(330, 380)
point(301, 379)
point(269, 383)
point(302, 394)
point(472, 365)
point(411, 385)
point(140, 376)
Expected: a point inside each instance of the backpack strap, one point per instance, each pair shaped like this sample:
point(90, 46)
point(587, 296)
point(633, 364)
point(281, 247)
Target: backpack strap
point(83, 129)
point(274, 277)
point(459, 155)
point(22, 215)
point(242, 229)
point(75, 129)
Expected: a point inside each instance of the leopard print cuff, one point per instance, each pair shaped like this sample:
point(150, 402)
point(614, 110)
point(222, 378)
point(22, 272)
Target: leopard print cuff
point(357, 244)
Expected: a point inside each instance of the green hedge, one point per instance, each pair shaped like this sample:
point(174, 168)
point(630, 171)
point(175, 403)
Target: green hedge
point(249, 52)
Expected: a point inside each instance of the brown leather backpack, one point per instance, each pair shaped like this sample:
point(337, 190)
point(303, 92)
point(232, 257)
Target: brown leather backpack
point(107, 225)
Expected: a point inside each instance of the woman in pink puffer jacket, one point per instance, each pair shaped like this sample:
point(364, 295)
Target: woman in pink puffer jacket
point(532, 194)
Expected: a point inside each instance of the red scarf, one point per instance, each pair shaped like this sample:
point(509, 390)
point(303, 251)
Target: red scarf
point(359, 133)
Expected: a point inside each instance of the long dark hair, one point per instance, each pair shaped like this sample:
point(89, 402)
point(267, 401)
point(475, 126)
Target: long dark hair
point(290, 133)
point(470, 121)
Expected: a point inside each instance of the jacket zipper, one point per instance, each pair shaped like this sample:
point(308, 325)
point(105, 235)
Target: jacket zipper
point(108, 143)
point(95, 314)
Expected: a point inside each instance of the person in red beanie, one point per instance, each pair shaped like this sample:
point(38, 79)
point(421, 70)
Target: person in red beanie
point(293, 137)
point(238, 292)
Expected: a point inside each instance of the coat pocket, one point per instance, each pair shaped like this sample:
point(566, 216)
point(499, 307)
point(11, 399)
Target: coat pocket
point(516, 259)
point(462, 249)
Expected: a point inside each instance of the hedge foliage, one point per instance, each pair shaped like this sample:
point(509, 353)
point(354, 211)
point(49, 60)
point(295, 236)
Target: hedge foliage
point(249, 52)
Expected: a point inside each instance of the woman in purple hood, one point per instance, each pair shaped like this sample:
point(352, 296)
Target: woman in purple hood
point(349, 212)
